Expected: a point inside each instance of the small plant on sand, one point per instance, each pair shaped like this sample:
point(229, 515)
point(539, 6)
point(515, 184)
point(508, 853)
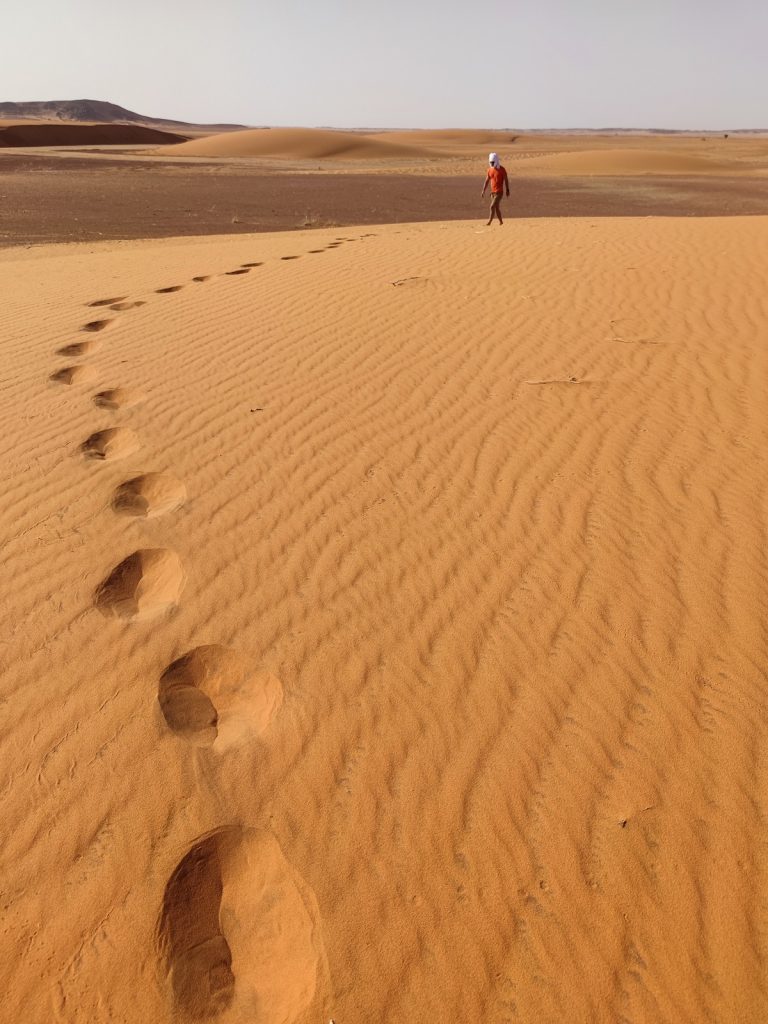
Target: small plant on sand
point(314, 220)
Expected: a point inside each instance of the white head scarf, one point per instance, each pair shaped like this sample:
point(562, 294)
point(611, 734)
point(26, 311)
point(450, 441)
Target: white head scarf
point(493, 159)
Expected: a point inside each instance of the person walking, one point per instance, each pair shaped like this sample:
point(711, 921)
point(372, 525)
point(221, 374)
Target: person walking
point(498, 180)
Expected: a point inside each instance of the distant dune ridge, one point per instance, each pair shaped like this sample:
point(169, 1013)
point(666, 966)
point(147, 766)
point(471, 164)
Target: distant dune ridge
point(625, 161)
point(62, 134)
point(300, 144)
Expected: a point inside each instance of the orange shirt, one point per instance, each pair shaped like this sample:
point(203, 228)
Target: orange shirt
point(498, 179)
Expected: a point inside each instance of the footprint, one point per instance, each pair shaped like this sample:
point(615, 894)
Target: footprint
point(109, 445)
point(128, 305)
point(202, 277)
point(107, 302)
point(213, 693)
point(79, 348)
point(233, 273)
point(289, 257)
point(149, 496)
point(144, 585)
point(119, 398)
point(167, 291)
point(74, 375)
point(96, 325)
point(251, 264)
point(316, 250)
point(239, 928)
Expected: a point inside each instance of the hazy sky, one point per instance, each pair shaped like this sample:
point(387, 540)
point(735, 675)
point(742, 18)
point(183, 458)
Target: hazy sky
point(391, 63)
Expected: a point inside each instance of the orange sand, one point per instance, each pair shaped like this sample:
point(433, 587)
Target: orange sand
point(297, 144)
point(465, 152)
point(399, 655)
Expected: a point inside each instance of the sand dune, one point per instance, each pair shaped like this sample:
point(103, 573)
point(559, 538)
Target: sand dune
point(449, 137)
point(621, 161)
point(408, 664)
point(35, 133)
point(297, 144)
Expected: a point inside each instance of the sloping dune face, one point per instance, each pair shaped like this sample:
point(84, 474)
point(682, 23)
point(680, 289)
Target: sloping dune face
point(412, 668)
point(442, 137)
point(624, 161)
point(297, 144)
point(31, 134)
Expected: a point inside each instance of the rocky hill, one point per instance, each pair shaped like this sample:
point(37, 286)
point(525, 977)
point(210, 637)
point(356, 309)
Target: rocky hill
point(95, 111)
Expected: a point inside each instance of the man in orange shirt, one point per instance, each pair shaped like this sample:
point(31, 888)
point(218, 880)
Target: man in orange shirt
point(498, 180)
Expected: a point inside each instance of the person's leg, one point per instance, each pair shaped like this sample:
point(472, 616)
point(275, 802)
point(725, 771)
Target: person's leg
point(490, 214)
point(494, 205)
point(498, 211)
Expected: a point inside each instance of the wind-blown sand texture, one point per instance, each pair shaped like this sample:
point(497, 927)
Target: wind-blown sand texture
point(407, 660)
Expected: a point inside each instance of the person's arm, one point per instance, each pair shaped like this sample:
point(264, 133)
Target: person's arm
point(506, 180)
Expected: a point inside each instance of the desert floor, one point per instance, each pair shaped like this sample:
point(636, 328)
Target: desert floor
point(384, 625)
point(285, 179)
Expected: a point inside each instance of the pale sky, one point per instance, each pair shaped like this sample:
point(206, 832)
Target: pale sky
point(399, 63)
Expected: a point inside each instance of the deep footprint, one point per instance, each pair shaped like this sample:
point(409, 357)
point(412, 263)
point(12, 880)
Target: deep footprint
point(96, 325)
point(238, 926)
point(167, 291)
point(119, 398)
point(214, 694)
point(107, 302)
point(234, 273)
point(74, 375)
point(149, 496)
point(202, 277)
point(80, 348)
point(128, 305)
point(110, 445)
point(289, 257)
point(146, 584)
point(251, 264)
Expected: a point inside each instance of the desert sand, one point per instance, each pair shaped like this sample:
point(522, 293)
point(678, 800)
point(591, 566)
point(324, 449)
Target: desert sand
point(458, 152)
point(265, 180)
point(38, 134)
point(383, 636)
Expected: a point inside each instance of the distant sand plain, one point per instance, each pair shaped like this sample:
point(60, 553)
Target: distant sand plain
point(384, 630)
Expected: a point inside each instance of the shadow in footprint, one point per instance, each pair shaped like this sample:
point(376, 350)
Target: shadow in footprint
point(234, 273)
point(107, 302)
point(316, 250)
point(79, 348)
point(251, 264)
point(167, 291)
point(234, 904)
point(146, 584)
point(120, 306)
point(119, 398)
point(202, 277)
point(214, 694)
point(111, 444)
point(149, 496)
point(289, 257)
point(96, 325)
point(74, 375)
